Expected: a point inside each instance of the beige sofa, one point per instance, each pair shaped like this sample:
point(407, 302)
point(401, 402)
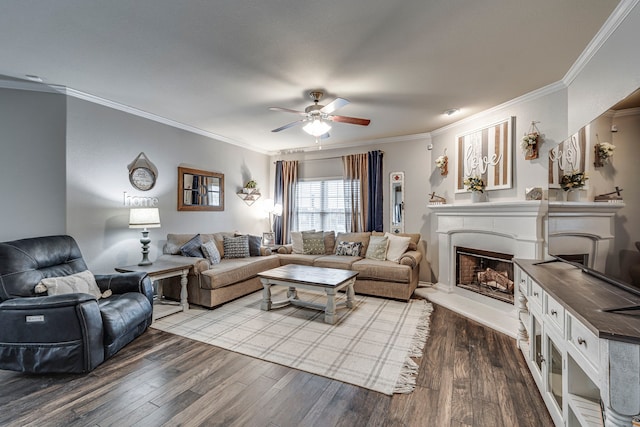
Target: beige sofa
point(213, 285)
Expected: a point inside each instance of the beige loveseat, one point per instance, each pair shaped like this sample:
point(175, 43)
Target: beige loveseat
point(213, 285)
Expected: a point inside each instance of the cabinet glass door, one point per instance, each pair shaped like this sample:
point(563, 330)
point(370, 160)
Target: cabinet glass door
point(554, 383)
point(537, 344)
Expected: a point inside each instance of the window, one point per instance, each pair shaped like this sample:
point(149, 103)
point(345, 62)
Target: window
point(320, 205)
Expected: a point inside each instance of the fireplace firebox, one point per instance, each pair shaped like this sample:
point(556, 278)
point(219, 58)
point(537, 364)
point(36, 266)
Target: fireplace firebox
point(485, 272)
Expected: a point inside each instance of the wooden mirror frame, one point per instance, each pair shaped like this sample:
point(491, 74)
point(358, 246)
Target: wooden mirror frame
point(396, 197)
point(202, 177)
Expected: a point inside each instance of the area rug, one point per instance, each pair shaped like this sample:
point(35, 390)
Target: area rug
point(370, 345)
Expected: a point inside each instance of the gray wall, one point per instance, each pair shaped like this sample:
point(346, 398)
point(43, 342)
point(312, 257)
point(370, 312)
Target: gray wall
point(101, 142)
point(32, 164)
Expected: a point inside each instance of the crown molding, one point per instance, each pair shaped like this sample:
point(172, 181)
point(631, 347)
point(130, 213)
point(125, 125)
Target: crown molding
point(627, 112)
point(27, 85)
point(150, 116)
point(611, 24)
point(538, 93)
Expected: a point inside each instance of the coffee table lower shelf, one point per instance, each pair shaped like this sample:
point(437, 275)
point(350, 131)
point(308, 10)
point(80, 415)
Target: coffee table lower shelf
point(327, 280)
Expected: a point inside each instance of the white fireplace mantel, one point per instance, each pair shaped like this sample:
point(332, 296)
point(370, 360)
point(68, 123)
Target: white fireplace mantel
point(511, 227)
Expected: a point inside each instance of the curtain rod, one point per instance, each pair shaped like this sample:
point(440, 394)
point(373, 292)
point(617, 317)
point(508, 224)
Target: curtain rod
point(324, 158)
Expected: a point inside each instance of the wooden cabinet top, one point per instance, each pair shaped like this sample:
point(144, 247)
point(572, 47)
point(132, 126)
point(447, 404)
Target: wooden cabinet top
point(585, 297)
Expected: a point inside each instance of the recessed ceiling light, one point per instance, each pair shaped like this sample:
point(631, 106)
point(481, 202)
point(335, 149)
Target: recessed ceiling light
point(34, 78)
point(452, 111)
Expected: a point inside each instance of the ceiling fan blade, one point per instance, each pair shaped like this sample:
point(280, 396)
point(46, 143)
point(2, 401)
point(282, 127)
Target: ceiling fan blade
point(288, 110)
point(334, 105)
point(287, 126)
point(350, 120)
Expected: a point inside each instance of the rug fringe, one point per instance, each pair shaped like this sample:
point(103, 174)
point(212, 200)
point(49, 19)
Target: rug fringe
point(407, 380)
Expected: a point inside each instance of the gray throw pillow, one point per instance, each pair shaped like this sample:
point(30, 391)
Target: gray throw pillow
point(236, 247)
point(377, 248)
point(255, 242)
point(192, 247)
point(211, 252)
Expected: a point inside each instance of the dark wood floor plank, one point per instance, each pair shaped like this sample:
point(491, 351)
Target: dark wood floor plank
point(469, 376)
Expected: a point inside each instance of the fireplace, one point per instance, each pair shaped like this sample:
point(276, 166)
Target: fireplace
point(485, 272)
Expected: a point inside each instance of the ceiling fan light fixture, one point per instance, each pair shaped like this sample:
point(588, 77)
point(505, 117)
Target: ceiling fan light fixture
point(316, 127)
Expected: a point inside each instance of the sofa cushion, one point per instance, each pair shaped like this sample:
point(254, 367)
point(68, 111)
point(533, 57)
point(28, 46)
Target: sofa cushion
point(236, 247)
point(413, 244)
point(313, 243)
point(377, 248)
point(300, 259)
point(355, 237)
point(255, 243)
point(235, 270)
point(83, 282)
point(336, 261)
point(329, 242)
point(211, 253)
point(397, 246)
point(382, 270)
point(192, 247)
point(297, 242)
point(348, 248)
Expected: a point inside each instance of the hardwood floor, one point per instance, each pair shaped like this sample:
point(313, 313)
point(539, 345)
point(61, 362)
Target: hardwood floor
point(469, 376)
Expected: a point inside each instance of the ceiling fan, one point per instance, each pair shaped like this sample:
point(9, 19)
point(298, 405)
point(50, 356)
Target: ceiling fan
point(316, 116)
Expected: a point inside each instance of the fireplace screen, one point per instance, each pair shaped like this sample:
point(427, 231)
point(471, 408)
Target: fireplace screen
point(487, 273)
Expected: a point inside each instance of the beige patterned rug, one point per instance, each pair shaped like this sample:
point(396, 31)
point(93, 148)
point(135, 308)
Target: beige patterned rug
point(370, 346)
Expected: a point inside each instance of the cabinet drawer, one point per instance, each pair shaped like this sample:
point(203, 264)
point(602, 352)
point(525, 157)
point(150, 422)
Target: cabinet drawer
point(554, 312)
point(584, 341)
point(535, 295)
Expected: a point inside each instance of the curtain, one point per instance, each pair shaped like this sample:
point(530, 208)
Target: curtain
point(284, 194)
point(356, 191)
point(374, 212)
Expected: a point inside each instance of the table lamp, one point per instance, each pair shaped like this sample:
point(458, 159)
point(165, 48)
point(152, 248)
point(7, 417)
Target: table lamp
point(144, 218)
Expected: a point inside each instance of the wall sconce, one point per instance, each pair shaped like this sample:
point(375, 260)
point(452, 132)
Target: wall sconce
point(144, 218)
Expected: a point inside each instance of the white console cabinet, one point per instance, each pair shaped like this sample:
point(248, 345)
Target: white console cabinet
point(585, 362)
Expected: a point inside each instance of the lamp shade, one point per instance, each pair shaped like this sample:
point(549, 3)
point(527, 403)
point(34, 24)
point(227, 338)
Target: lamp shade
point(144, 218)
point(317, 127)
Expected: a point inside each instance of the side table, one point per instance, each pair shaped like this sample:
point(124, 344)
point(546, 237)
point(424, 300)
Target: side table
point(162, 270)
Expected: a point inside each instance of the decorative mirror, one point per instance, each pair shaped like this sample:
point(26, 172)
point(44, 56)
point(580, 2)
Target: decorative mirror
point(396, 190)
point(200, 190)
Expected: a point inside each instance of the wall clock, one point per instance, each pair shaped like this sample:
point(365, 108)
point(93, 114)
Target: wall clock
point(142, 173)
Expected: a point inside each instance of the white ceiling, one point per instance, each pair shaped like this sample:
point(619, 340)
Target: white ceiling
point(219, 65)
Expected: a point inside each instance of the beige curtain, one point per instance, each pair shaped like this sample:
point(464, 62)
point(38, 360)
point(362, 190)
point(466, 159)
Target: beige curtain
point(289, 178)
point(356, 178)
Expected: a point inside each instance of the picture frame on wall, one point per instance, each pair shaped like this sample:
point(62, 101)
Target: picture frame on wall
point(269, 239)
point(487, 153)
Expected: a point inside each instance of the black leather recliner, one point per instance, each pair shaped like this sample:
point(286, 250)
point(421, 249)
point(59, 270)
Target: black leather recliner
point(64, 333)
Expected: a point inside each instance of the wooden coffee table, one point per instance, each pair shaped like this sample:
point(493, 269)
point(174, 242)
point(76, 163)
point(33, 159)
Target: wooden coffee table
point(328, 280)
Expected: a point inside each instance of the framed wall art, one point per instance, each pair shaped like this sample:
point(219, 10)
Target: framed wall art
point(568, 157)
point(486, 153)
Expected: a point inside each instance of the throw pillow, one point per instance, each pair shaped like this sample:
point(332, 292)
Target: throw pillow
point(348, 248)
point(83, 282)
point(313, 243)
point(377, 248)
point(211, 253)
point(329, 242)
point(397, 246)
point(297, 246)
point(236, 247)
point(255, 242)
point(192, 247)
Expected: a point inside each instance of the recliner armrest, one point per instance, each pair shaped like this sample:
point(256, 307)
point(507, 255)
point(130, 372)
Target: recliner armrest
point(46, 302)
point(121, 283)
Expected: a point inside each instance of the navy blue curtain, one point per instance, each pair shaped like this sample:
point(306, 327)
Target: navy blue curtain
point(374, 212)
